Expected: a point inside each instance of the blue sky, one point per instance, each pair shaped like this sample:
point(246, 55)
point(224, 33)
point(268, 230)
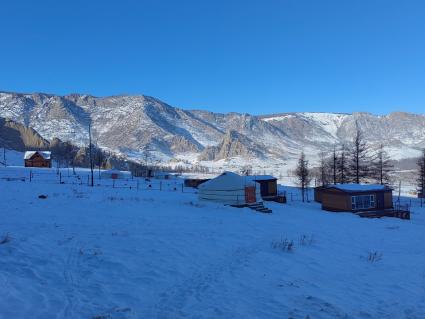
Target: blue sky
point(257, 57)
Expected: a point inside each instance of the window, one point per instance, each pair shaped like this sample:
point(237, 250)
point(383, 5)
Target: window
point(362, 202)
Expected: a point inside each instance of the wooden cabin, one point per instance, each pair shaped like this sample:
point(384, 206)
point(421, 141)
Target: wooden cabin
point(268, 185)
point(356, 197)
point(38, 159)
point(318, 193)
point(194, 182)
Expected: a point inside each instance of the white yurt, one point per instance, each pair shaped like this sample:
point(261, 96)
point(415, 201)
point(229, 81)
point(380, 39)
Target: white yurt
point(230, 189)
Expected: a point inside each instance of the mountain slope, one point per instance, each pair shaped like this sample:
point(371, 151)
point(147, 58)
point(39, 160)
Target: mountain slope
point(18, 137)
point(233, 144)
point(135, 125)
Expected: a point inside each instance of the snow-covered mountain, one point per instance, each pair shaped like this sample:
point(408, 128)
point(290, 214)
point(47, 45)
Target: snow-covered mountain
point(136, 125)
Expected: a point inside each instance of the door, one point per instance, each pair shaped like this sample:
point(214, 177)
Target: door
point(250, 194)
point(380, 200)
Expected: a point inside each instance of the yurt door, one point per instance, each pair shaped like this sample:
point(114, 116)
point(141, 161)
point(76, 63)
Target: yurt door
point(250, 194)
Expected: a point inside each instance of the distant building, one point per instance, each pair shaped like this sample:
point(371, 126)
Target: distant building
point(114, 174)
point(194, 182)
point(354, 197)
point(164, 175)
point(38, 159)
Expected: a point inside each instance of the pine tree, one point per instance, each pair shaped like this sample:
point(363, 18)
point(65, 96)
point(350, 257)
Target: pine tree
point(382, 167)
point(302, 173)
point(359, 158)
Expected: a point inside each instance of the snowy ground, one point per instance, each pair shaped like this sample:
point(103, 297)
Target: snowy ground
point(108, 252)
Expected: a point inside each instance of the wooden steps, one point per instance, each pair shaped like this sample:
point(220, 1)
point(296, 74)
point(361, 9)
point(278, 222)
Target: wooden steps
point(259, 207)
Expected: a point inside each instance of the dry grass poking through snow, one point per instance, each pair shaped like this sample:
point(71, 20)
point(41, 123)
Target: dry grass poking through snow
point(289, 245)
point(306, 240)
point(374, 256)
point(5, 239)
point(283, 244)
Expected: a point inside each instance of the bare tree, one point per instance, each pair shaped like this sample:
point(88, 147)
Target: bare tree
point(302, 173)
point(359, 158)
point(99, 157)
point(342, 165)
point(91, 157)
point(324, 174)
point(246, 170)
point(421, 176)
point(334, 165)
point(382, 167)
point(58, 152)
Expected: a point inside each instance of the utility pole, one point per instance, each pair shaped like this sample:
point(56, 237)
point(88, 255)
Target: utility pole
point(91, 157)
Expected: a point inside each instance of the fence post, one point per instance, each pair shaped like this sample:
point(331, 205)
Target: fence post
point(60, 178)
point(88, 180)
point(160, 185)
point(30, 175)
point(182, 188)
point(137, 184)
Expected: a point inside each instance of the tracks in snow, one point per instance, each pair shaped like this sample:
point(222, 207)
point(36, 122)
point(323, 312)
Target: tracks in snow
point(199, 286)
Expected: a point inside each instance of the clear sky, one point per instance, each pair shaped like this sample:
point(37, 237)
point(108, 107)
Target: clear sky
point(263, 56)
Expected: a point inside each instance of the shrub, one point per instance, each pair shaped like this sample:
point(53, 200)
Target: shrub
point(306, 240)
point(283, 244)
point(374, 256)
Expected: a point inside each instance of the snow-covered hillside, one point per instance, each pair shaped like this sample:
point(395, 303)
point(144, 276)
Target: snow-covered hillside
point(11, 158)
point(136, 125)
point(108, 252)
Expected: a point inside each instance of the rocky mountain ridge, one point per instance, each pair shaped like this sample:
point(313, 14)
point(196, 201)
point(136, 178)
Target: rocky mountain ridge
point(136, 125)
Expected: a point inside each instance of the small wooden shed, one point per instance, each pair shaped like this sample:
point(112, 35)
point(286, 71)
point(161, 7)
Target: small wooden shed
point(194, 182)
point(268, 185)
point(318, 193)
point(356, 197)
point(38, 159)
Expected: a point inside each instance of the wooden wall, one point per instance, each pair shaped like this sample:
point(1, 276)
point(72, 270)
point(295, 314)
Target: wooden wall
point(37, 161)
point(336, 200)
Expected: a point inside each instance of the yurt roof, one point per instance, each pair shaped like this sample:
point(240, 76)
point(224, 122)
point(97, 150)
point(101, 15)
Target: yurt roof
point(261, 177)
point(227, 181)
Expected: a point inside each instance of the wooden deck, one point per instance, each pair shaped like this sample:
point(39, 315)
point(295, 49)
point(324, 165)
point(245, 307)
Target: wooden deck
point(397, 213)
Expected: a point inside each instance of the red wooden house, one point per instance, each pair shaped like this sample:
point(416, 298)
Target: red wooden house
point(38, 159)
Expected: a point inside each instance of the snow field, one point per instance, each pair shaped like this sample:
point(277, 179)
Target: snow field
point(108, 252)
